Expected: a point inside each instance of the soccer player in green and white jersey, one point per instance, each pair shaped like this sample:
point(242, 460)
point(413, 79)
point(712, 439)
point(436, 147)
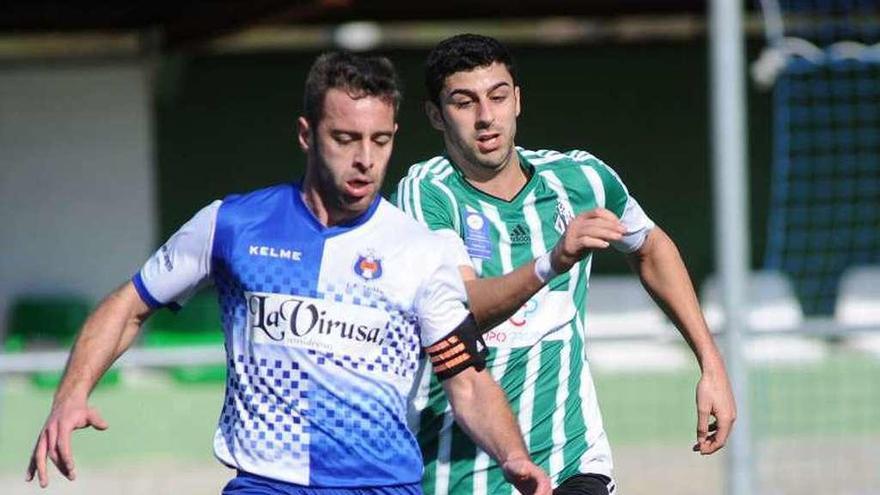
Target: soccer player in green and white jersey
point(528, 222)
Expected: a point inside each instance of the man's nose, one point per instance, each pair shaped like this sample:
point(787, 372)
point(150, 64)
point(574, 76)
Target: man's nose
point(363, 158)
point(485, 115)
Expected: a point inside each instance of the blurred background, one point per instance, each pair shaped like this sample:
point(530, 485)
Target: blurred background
point(119, 121)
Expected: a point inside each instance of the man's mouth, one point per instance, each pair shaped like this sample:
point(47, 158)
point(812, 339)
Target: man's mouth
point(488, 142)
point(358, 187)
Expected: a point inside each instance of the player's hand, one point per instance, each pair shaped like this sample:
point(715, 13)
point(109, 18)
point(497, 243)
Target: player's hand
point(595, 229)
point(526, 477)
point(714, 399)
point(54, 439)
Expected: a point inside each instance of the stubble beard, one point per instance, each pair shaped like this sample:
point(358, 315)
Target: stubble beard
point(487, 165)
point(333, 195)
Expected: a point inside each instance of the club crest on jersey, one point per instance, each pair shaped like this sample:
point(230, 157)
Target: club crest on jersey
point(368, 266)
point(564, 215)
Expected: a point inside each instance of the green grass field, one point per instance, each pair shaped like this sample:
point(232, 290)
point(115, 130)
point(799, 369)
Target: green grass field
point(162, 420)
point(838, 396)
point(650, 418)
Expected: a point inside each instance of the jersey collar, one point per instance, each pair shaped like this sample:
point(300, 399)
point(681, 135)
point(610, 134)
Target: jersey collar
point(527, 167)
point(337, 229)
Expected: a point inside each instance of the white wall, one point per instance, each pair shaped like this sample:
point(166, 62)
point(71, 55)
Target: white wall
point(77, 187)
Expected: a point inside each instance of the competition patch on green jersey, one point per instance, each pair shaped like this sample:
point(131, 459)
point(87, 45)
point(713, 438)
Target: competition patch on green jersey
point(476, 235)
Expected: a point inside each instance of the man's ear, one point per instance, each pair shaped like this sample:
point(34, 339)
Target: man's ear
point(434, 116)
point(304, 134)
point(516, 94)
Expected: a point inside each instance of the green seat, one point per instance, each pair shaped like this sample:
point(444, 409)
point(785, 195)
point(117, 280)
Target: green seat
point(13, 344)
point(48, 323)
point(197, 323)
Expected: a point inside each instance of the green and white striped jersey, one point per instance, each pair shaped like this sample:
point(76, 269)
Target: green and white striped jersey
point(537, 356)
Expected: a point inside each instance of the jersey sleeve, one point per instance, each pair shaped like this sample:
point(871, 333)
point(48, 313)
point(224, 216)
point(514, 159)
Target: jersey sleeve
point(182, 265)
point(441, 301)
point(628, 210)
point(427, 203)
point(637, 226)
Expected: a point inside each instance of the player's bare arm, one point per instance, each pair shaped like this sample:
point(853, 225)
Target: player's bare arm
point(106, 334)
point(480, 408)
point(493, 300)
point(662, 271)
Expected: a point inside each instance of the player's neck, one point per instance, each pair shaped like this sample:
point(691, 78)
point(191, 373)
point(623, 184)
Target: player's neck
point(316, 201)
point(504, 182)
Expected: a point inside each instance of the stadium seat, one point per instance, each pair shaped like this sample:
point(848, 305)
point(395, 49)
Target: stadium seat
point(618, 306)
point(48, 323)
point(858, 304)
point(197, 323)
point(772, 307)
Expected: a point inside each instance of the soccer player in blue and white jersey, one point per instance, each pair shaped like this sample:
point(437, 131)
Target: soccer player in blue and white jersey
point(328, 295)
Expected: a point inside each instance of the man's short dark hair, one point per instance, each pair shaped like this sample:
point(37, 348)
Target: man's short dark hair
point(462, 53)
point(360, 76)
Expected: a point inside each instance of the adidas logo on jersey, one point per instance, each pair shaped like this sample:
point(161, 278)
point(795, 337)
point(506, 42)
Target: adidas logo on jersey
point(520, 235)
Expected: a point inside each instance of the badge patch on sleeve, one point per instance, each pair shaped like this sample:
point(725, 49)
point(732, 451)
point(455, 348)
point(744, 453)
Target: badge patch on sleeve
point(477, 238)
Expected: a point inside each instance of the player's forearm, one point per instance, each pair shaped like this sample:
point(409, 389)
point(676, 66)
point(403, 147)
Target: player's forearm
point(106, 334)
point(481, 410)
point(663, 273)
point(493, 300)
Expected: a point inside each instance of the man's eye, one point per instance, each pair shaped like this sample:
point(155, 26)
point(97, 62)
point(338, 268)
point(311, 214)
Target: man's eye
point(462, 103)
point(343, 139)
point(499, 98)
point(382, 140)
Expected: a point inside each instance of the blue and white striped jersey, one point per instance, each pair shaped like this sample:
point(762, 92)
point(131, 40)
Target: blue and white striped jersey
point(323, 327)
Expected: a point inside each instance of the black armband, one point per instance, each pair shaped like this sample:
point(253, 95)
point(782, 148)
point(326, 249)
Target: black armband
point(462, 348)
